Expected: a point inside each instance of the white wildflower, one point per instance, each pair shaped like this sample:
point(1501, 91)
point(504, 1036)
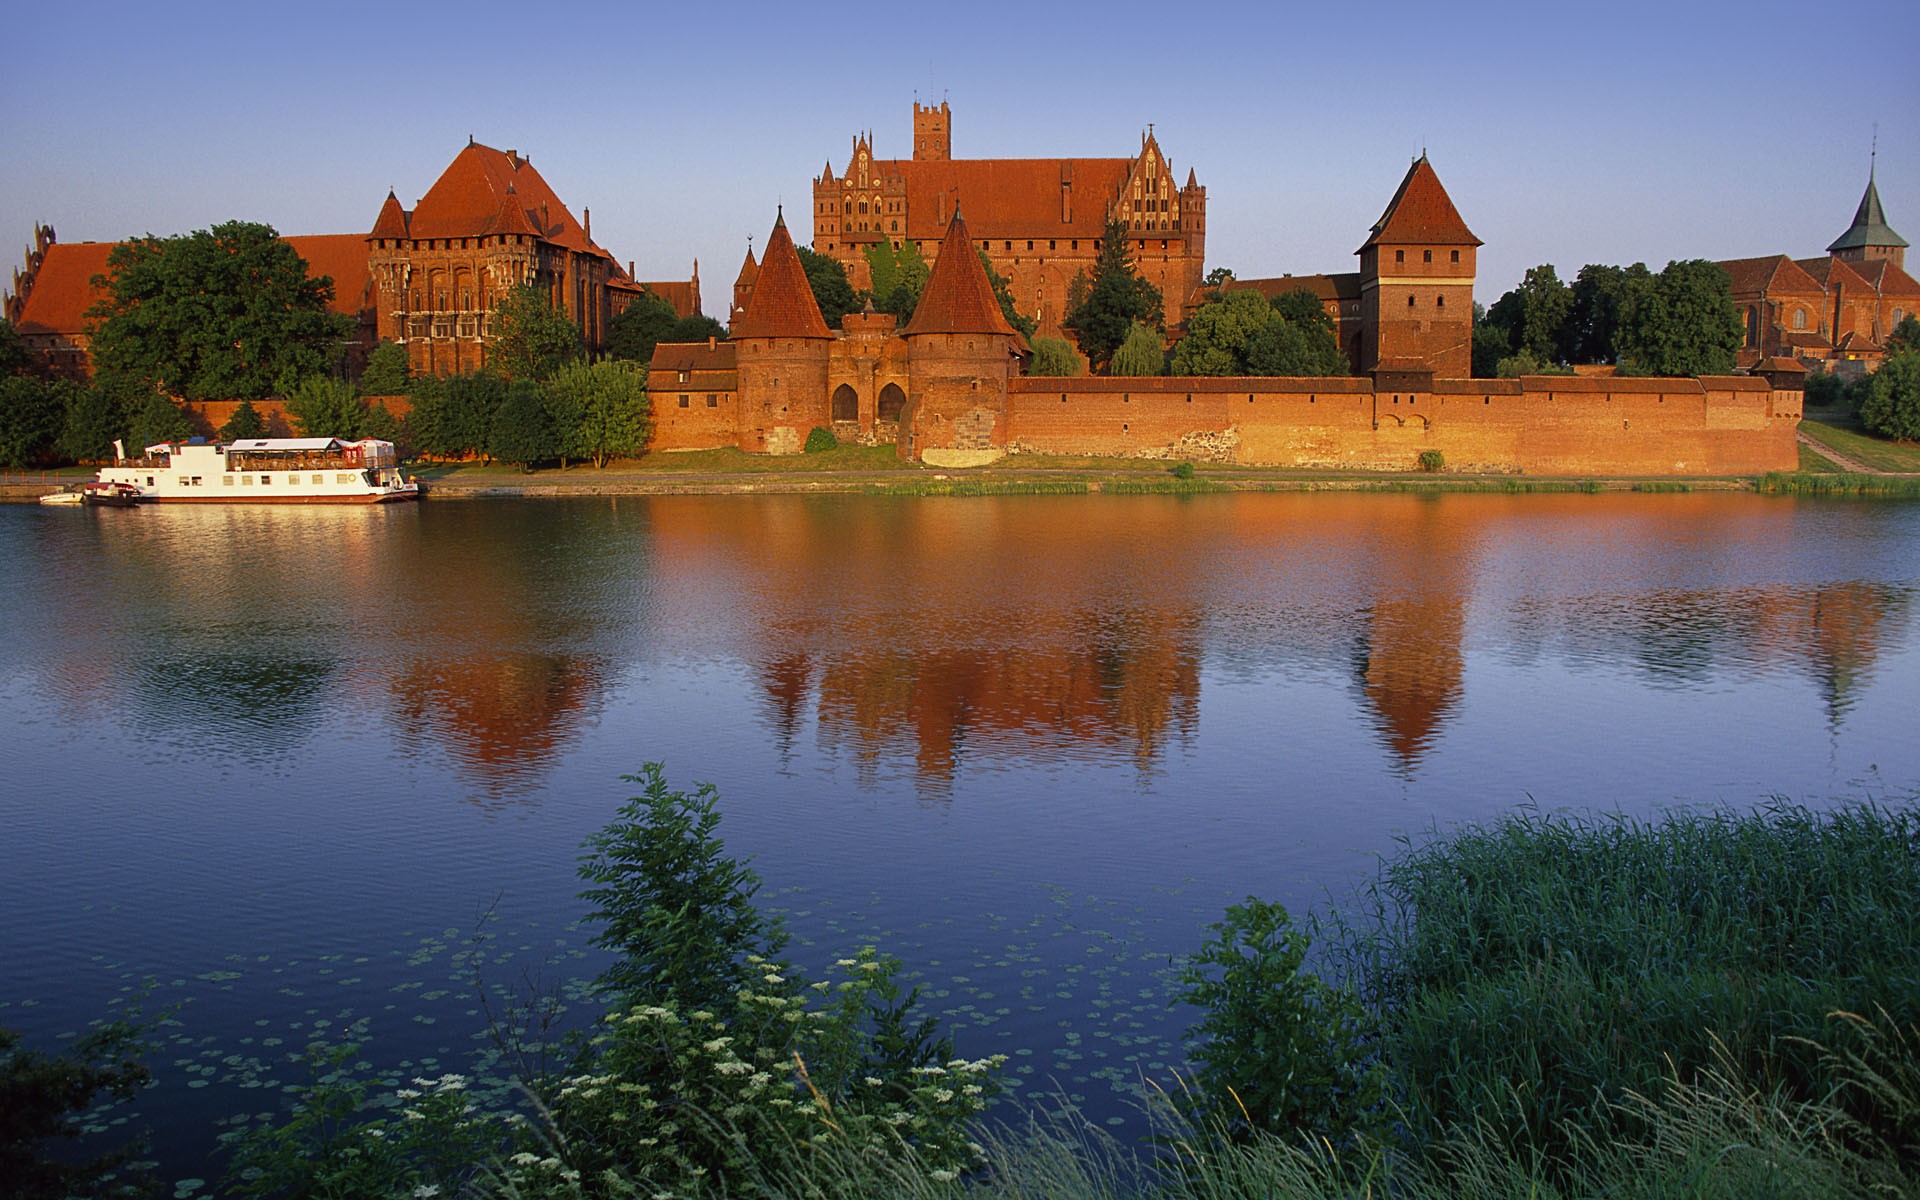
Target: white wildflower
point(524, 1159)
point(413, 1114)
point(943, 1176)
point(942, 1095)
point(425, 1190)
point(716, 1045)
point(407, 1094)
point(845, 962)
point(872, 1082)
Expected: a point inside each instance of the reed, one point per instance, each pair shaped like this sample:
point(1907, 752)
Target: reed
point(1780, 483)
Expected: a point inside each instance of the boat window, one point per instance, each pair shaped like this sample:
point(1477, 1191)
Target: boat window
point(247, 479)
point(319, 479)
point(343, 477)
point(266, 479)
point(197, 481)
point(226, 481)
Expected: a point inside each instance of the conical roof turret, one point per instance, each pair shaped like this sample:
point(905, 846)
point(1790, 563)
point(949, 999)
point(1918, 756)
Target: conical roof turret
point(392, 222)
point(782, 304)
point(1869, 226)
point(958, 298)
point(1421, 211)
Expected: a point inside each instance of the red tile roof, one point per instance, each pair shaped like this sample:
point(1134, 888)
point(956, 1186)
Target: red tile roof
point(749, 271)
point(1007, 197)
point(1421, 211)
point(1886, 278)
point(468, 198)
point(1830, 271)
point(782, 303)
point(1770, 274)
point(63, 290)
point(392, 222)
point(692, 356)
point(958, 298)
point(683, 294)
point(1344, 286)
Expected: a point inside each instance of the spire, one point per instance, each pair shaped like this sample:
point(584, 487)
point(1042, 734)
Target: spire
point(958, 298)
point(1869, 226)
point(782, 304)
point(510, 217)
point(1421, 211)
point(392, 222)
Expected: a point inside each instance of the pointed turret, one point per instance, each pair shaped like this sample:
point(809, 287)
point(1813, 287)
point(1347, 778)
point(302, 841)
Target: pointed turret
point(958, 298)
point(826, 172)
point(782, 304)
point(511, 218)
point(1421, 212)
point(1869, 236)
point(392, 222)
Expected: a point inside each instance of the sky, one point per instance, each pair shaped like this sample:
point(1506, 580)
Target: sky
point(1565, 133)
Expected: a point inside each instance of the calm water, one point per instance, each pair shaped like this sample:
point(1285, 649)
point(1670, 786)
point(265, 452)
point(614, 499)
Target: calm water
point(279, 762)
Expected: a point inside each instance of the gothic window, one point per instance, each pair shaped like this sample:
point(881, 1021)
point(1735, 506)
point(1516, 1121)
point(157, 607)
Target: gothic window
point(1409, 299)
point(892, 400)
point(1439, 301)
point(1799, 318)
point(846, 404)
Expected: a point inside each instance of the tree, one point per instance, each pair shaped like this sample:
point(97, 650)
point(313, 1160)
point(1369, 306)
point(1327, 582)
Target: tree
point(612, 416)
point(378, 422)
point(1490, 345)
point(696, 328)
point(1054, 356)
point(1140, 354)
point(1218, 333)
point(831, 291)
point(99, 413)
point(1890, 398)
point(325, 407)
point(1304, 345)
point(451, 417)
point(1534, 313)
point(246, 422)
point(32, 412)
point(1679, 322)
point(1593, 320)
point(531, 339)
point(1241, 333)
point(387, 371)
point(636, 329)
point(1003, 292)
point(522, 431)
point(1905, 335)
point(14, 358)
point(1116, 298)
point(43, 1099)
point(899, 276)
point(219, 314)
point(160, 420)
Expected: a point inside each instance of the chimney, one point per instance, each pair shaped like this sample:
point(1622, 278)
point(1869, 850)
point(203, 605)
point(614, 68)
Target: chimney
point(713, 342)
point(586, 222)
point(513, 156)
point(630, 274)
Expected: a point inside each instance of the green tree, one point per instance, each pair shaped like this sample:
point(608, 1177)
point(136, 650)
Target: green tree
point(246, 422)
point(1003, 292)
point(1219, 332)
point(530, 338)
point(45, 1100)
point(387, 371)
point(1890, 398)
point(695, 328)
point(1303, 344)
point(324, 407)
point(219, 314)
point(831, 291)
point(1054, 356)
point(14, 358)
point(613, 416)
point(379, 422)
point(672, 905)
point(636, 329)
point(451, 417)
point(1140, 354)
point(523, 430)
point(899, 276)
point(1490, 345)
point(1534, 313)
point(32, 412)
point(99, 413)
point(1116, 298)
point(160, 420)
point(1593, 321)
point(1680, 322)
point(1905, 335)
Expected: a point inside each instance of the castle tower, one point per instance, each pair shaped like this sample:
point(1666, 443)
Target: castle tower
point(960, 355)
point(743, 286)
point(1869, 237)
point(781, 346)
point(1416, 282)
point(932, 133)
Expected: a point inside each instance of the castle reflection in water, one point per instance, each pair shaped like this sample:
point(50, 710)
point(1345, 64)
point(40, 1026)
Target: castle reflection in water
point(923, 635)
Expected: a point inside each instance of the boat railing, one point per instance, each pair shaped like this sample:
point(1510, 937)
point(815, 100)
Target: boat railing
point(307, 462)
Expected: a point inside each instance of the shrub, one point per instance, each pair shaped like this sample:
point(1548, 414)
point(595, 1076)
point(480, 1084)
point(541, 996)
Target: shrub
point(821, 439)
point(43, 1100)
point(1054, 356)
point(1183, 470)
point(1277, 1050)
point(1889, 399)
point(1432, 460)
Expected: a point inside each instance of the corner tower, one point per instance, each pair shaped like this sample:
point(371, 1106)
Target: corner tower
point(932, 133)
point(1869, 237)
point(961, 352)
point(781, 347)
point(1416, 282)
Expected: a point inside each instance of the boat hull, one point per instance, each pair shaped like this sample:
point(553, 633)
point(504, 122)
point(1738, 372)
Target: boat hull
point(371, 498)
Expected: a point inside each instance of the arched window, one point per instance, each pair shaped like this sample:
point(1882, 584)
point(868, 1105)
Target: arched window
point(846, 404)
point(892, 400)
point(1799, 318)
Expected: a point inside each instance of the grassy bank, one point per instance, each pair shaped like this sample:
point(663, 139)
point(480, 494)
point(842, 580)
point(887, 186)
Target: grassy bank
point(1837, 483)
point(1846, 437)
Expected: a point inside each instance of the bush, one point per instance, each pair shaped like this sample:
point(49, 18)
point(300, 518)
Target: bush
point(44, 1099)
point(1054, 356)
point(821, 439)
point(1277, 1050)
point(1183, 470)
point(1889, 399)
point(1432, 460)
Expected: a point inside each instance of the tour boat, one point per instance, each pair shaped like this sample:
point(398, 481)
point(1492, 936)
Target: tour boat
point(317, 470)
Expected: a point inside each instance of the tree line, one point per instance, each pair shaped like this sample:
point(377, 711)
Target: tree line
point(230, 313)
point(1681, 321)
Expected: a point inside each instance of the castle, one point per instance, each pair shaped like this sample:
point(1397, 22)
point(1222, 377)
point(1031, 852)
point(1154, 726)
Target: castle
point(426, 278)
point(1832, 313)
point(948, 390)
point(1040, 220)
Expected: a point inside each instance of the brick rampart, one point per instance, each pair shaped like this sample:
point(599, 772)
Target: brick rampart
point(1718, 425)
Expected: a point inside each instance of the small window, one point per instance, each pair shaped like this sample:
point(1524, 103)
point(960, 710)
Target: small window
point(1399, 256)
point(713, 401)
point(1799, 318)
point(343, 477)
point(319, 478)
point(181, 480)
point(1456, 256)
point(1409, 300)
point(247, 479)
point(1426, 256)
point(1439, 301)
point(683, 400)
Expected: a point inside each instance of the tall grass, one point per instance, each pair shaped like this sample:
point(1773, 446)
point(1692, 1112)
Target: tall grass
point(1778, 483)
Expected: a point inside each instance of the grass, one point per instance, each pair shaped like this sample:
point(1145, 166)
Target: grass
point(1836, 484)
point(1878, 454)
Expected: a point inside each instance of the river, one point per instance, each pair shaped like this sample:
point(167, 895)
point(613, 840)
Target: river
point(277, 768)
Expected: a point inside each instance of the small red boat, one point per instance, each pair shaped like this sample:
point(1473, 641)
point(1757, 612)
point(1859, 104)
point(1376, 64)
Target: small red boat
point(113, 495)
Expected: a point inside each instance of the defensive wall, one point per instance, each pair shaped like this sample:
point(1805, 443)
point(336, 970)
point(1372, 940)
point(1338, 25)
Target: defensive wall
point(1537, 424)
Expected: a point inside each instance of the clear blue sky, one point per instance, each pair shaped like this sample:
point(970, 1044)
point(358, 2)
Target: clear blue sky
point(1566, 133)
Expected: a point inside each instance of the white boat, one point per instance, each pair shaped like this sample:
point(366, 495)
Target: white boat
point(266, 471)
point(63, 496)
